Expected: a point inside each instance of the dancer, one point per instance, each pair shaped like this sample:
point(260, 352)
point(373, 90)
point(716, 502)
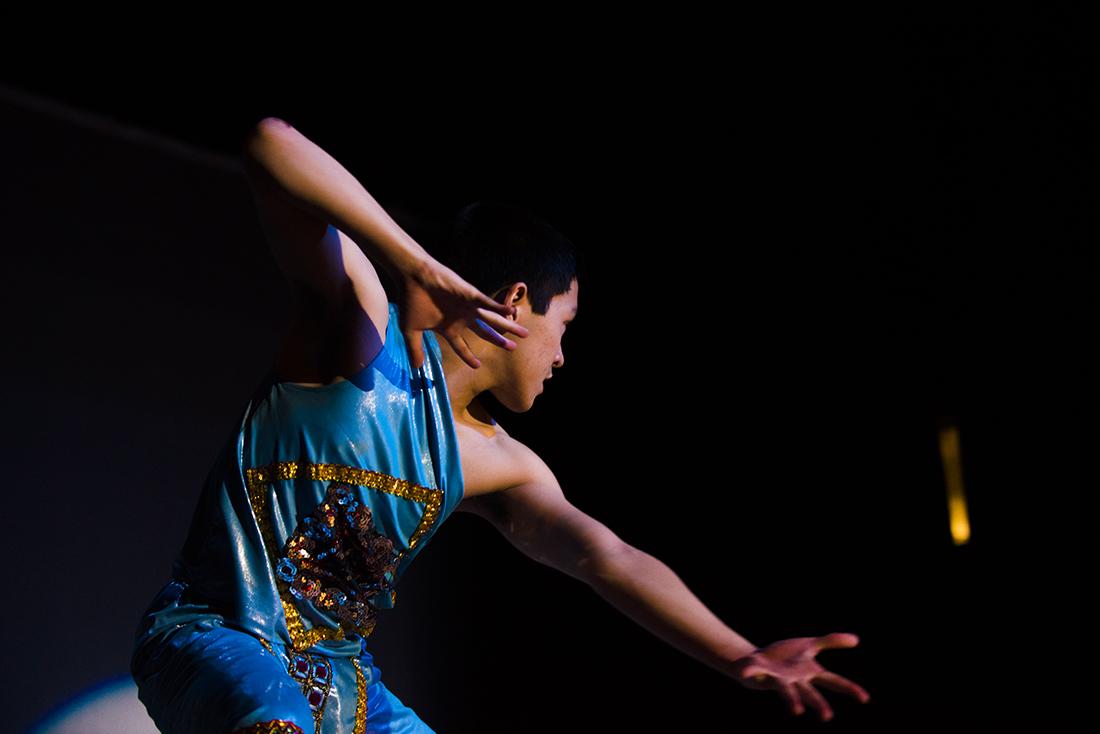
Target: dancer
point(365, 435)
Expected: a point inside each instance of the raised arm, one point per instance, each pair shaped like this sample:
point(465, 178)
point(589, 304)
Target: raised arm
point(535, 516)
point(281, 160)
point(313, 209)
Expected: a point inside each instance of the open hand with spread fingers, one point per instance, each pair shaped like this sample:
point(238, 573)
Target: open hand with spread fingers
point(788, 667)
point(435, 297)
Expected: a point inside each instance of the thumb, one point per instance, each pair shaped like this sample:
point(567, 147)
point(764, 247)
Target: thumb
point(837, 639)
point(755, 674)
point(414, 340)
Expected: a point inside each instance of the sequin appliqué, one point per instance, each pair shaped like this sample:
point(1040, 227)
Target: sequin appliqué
point(259, 481)
point(337, 559)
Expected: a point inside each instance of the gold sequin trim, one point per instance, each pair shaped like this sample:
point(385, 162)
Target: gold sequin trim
point(361, 699)
point(267, 646)
point(273, 726)
point(260, 479)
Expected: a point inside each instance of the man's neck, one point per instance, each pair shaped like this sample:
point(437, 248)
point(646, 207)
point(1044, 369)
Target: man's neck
point(464, 384)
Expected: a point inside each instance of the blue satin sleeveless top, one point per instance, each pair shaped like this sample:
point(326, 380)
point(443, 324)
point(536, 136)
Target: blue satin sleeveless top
point(321, 499)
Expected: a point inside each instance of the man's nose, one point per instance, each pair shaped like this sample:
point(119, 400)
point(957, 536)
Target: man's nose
point(559, 360)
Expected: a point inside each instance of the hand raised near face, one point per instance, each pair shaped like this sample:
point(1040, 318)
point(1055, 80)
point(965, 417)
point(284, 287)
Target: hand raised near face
point(432, 296)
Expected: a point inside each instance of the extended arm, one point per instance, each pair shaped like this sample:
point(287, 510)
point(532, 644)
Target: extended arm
point(535, 517)
point(645, 589)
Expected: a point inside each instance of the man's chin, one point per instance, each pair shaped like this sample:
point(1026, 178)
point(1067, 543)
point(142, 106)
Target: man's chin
point(531, 401)
point(521, 408)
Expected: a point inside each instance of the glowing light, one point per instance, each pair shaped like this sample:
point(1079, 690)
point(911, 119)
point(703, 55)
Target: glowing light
point(111, 706)
point(950, 454)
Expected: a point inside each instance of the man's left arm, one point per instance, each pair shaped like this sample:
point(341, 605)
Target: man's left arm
point(536, 518)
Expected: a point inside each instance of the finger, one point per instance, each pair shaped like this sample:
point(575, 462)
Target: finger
point(787, 692)
point(837, 683)
point(489, 334)
point(836, 640)
point(414, 343)
point(489, 303)
point(814, 699)
point(500, 323)
point(462, 348)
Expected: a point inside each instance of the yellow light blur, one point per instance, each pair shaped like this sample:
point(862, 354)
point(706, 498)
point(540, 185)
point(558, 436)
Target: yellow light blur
point(952, 472)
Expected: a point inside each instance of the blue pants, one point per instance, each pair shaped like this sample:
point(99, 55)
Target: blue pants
point(198, 676)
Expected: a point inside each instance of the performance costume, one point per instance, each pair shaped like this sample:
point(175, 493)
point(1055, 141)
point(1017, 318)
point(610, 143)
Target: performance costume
point(313, 511)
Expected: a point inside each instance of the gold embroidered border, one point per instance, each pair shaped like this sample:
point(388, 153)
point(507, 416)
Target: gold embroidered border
point(361, 699)
point(260, 479)
point(267, 646)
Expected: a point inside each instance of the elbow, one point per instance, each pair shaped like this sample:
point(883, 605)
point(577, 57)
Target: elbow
point(258, 135)
point(605, 560)
point(268, 124)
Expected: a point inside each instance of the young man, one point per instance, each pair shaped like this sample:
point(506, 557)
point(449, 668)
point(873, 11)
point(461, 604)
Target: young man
point(364, 437)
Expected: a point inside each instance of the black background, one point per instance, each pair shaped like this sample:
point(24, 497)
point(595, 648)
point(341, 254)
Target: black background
point(806, 255)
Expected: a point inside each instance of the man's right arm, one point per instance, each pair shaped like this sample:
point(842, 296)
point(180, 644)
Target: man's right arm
point(304, 188)
point(319, 221)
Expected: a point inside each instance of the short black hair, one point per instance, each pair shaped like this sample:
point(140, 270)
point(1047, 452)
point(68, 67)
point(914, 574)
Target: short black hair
point(494, 243)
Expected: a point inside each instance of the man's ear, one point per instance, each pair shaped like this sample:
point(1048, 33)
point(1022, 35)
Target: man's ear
point(516, 294)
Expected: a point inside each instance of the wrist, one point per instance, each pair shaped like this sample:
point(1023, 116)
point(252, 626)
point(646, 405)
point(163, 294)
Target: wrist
point(736, 653)
point(405, 258)
point(413, 260)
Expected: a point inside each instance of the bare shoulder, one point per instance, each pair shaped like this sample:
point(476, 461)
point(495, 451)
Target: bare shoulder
point(492, 464)
point(515, 491)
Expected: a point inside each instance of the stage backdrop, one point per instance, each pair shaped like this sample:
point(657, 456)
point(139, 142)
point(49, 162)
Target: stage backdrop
point(790, 294)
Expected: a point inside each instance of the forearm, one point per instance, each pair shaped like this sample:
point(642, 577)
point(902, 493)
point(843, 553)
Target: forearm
point(645, 589)
point(312, 179)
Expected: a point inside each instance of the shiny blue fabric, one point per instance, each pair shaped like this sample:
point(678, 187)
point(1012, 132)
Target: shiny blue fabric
point(230, 640)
